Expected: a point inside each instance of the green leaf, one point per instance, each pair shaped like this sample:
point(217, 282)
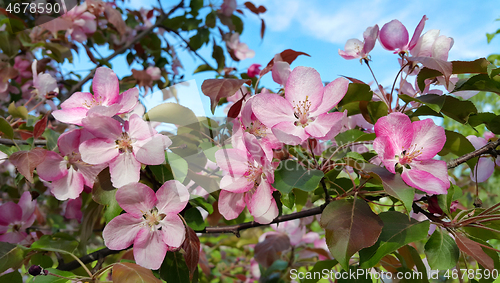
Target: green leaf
point(494, 125)
point(348, 136)
point(6, 128)
point(398, 231)
point(59, 242)
point(459, 145)
point(10, 256)
point(12, 277)
point(481, 82)
point(9, 43)
point(350, 225)
point(174, 268)
point(41, 259)
point(18, 112)
point(201, 202)
point(54, 279)
point(105, 194)
point(51, 136)
point(293, 175)
point(425, 111)
point(288, 200)
point(458, 110)
point(59, 52)
point(376, 110)
point(218, 55)
point(319, 266)
point(441, 250)
point(481, 118)
point(194, 219)
point(173, 113)
point(178, 165)
point(393, 184)
point(356, 92)
point(200, 38)
point(210, 20)
point(238, 24)
point(433, 101)
point(203, 68)
point(277, 265)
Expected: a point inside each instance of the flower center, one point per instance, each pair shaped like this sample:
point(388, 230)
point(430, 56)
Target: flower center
point(407, 155)
point(93, 102)
point(257, 129)
point(152, 218)
point(124, 143)
point(254, 171)
point(302, 112)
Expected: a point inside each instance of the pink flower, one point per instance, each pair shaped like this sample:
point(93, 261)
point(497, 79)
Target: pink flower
point(292, 229)
point(253, 70)
point(150, 223)
point(106, 93)
point(303, 112)
point(281, 70)
point(431, 44)
point(44, 84)
point(411, 147)
point(486, 164)
point(154, 72)
point(394, 36)
point(15, 218)
point(354, 48)
point(73, 209)
point(248, 183)
point(239, 49)
point(77, 22)
point(66, 171)
point(228, 7)
point(123, 148)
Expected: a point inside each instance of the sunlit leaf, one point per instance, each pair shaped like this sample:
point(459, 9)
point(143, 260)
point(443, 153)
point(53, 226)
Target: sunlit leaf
point(126, 272)
point(6, 128)
point(220, 88)
point(441, 251)
point(174, 268)
point(291, 174)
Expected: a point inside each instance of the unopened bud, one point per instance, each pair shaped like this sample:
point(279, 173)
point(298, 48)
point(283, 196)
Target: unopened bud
point(36, 270)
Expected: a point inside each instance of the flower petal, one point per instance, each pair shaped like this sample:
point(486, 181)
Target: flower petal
point(124, 169)
point(324, 123)
point(53, 167)
point(484, 168)
point(233, 161)
point(149, 249)
point(69, 142)
point(172, 197)
point(128, 100)
point(105, 86)
point(428, 176)
point(69, 186)
point(332, 95)
point(71, 116)
point(272, 109)
point(78, 100)
point(236, 184)
point(393, 35)
point(136, 199)
point(271, 213)
point(428, 138)
point(387, 152)
point(13, 237)
point(173, 231)
point(102, 126)
point(151, 151)
point(231, 204)
point(288, 133)
point(10, 213)
point(140, 129)
point(304, 83)
point(98, 151)
point(121, 231)
point(260, 199)
point(398, 128)
point(28, 206)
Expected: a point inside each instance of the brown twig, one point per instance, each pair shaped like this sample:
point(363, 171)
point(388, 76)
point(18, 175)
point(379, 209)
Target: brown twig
point(488, 148)
point(14, 142)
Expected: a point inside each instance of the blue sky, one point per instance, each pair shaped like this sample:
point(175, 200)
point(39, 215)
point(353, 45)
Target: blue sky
point(320, 28)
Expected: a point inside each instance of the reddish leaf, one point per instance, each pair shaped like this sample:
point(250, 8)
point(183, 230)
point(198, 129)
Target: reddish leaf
point(235, 109)
point(240, 11)
point(150, 13)
point(115, 18)
point(40, 127)
point(356, 81)
point(350, 225)
point(262, 28)
point(288, 56)
point(27, 161)
point(126, 272)
point(270, 249)
point(191, 246)
point(473, 249)
point(219, 88)
point(91, 56)
point(250, 6)
point(261, 9)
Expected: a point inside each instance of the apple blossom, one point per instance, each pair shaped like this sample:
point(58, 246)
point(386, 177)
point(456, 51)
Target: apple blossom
point(303, 112)
point(253, 70)
point(77, 23)
point(486, 164)
point(248, 182)
point(44, 84)
point(239, 49)
point(73, 209)
point(281, 70)
point(228, 7)
point(66, 171)
point(124, 151)
point(106, 93)
point(411, 146)
point(150, 223)
point(354, 48)
point(15, 218)
point(394, 37)
point(431, 44)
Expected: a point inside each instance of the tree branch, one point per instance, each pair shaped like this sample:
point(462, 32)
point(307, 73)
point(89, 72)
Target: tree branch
point(126, 46)
point(488, 148)
point(102, 253)
point(14, 142)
